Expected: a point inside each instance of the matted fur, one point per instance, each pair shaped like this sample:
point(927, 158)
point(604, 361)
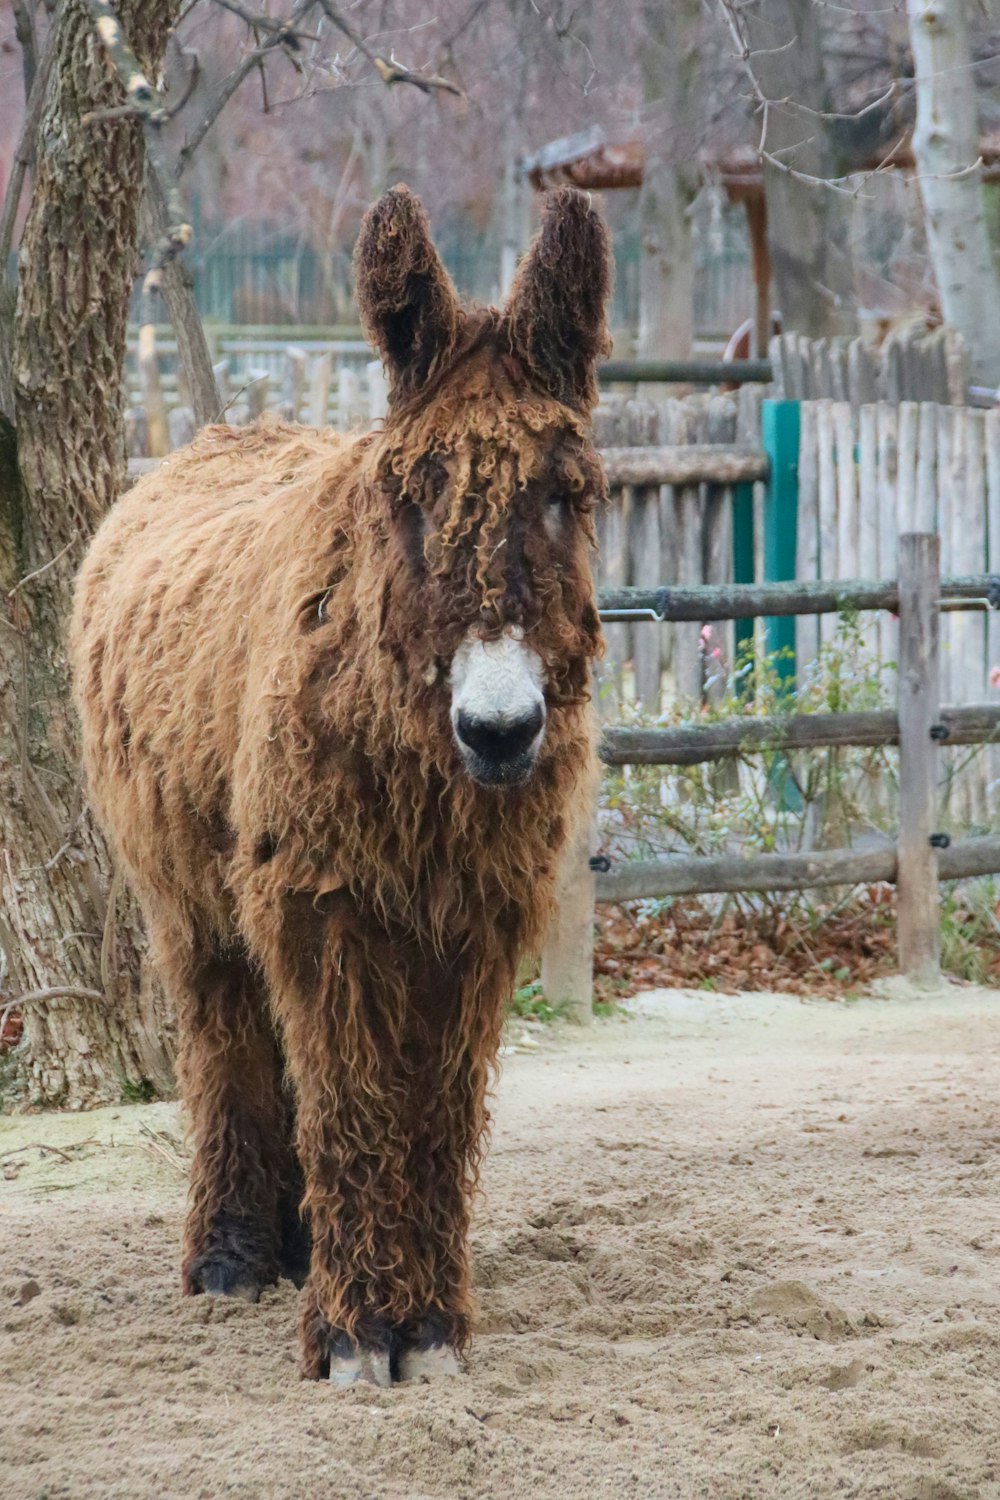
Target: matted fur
point(261, 642)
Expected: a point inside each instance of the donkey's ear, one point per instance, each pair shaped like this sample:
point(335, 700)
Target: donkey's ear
point(556, 309)
point(405, 296)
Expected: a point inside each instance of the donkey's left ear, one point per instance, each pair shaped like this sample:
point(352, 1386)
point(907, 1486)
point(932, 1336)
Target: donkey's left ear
point(556, 309)
point(407, 302)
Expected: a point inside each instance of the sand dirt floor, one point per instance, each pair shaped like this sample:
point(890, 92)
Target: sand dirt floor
point(732, 1247)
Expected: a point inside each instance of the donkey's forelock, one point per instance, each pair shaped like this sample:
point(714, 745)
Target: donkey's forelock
point(553, 325)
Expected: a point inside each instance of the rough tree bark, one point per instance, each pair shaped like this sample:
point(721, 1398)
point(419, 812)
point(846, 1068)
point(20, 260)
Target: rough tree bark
point(669, 65)
point(811, 270)
point(65, 924)
point(946, 148)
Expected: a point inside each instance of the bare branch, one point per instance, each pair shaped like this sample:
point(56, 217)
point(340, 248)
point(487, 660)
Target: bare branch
point(387, 68)
point(286, 35)
point(24, 30)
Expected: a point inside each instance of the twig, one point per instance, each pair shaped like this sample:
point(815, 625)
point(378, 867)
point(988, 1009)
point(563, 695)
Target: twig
point(284, 36)
point(155, 1143)
point(387, 68)
point(30, 577)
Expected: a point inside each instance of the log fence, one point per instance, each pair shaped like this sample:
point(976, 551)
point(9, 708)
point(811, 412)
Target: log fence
point(919, 726)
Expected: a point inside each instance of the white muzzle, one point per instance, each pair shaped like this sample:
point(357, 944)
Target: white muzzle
point(498, 707)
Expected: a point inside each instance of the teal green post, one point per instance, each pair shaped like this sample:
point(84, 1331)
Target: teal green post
point(743, 558)
point(780, 434)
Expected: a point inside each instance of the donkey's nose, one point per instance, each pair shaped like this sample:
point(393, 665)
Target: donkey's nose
point(498, 740)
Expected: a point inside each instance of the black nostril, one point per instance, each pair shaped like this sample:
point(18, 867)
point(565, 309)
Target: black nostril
point(500, 739)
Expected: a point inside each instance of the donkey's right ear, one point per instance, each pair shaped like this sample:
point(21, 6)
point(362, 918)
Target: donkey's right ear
point(407, 302)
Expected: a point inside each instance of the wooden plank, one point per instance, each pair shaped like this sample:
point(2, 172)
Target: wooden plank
point(827, 470)
point(868, 520)
point(925, 491)
point(888, 466)
point(686, 875)
point(644, 521)
point(906, 463)
point(807, 537)
point(683, 418)
point(687, 463)
point(691, 744)
point(918, 912)
point(718, 545)
point(319, 389)
point(848, 565)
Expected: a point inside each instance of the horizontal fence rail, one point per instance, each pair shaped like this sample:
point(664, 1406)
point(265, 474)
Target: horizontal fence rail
point(686, 371)
point(743, 601)
point(690, 744)
point(694, 874)
point(688, 463)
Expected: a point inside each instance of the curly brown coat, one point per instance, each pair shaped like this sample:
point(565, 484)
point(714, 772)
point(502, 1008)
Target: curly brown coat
point(262, 639)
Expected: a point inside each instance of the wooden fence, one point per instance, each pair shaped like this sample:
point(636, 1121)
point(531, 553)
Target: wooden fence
point(922, 856)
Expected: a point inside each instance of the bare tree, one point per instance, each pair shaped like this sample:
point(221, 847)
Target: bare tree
point(781, 45)
point(669, 66)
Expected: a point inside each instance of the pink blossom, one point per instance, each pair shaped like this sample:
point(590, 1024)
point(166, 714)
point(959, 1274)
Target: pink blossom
point(994, 676)
point(706, 632)
point(717, 653)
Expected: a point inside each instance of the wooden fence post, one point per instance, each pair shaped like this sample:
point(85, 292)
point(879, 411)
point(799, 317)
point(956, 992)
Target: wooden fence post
point(568, 957)
point(918, 902)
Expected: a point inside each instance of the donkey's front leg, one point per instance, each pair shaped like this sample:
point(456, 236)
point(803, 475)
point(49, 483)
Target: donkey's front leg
point(339, 986)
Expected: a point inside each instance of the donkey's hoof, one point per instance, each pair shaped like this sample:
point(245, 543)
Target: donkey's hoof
point(433, 1363)
point(223, 1278)
point(368, 1366)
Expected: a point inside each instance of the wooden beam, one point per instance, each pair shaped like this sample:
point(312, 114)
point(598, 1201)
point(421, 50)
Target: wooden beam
point(690, 874)
point(735, 601)
point(685, 371)
point(689, 463)
point(689, 744)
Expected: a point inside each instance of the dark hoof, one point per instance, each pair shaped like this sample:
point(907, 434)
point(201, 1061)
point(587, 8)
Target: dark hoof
point(235, 1262)
point(223, 1279)
point(296, 1245)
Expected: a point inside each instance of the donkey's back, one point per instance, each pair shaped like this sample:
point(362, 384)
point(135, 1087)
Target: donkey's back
point(189, 581)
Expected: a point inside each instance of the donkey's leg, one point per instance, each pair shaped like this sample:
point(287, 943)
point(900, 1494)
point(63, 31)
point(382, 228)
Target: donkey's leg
point(450, 1119)
point(340, 991)
point(230, 1075)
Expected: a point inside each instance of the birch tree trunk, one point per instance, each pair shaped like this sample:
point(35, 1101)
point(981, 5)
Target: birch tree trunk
point(946, 148)
point(670, 180)
point(92, 1028)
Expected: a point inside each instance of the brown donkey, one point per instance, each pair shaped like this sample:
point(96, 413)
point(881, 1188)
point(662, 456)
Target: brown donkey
point(335, 719)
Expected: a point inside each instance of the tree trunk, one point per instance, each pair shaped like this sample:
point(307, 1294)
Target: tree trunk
point(945, 147)
point(111, 1031)
point(670, 180)
point(805, 230)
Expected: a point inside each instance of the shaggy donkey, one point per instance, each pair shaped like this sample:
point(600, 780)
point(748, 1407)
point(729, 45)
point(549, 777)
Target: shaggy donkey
point(335, 719)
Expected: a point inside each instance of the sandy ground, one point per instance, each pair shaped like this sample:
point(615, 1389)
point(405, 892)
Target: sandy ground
point(733, 1247)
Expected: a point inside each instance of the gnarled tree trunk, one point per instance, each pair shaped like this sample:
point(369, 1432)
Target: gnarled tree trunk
point(103, 1029)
